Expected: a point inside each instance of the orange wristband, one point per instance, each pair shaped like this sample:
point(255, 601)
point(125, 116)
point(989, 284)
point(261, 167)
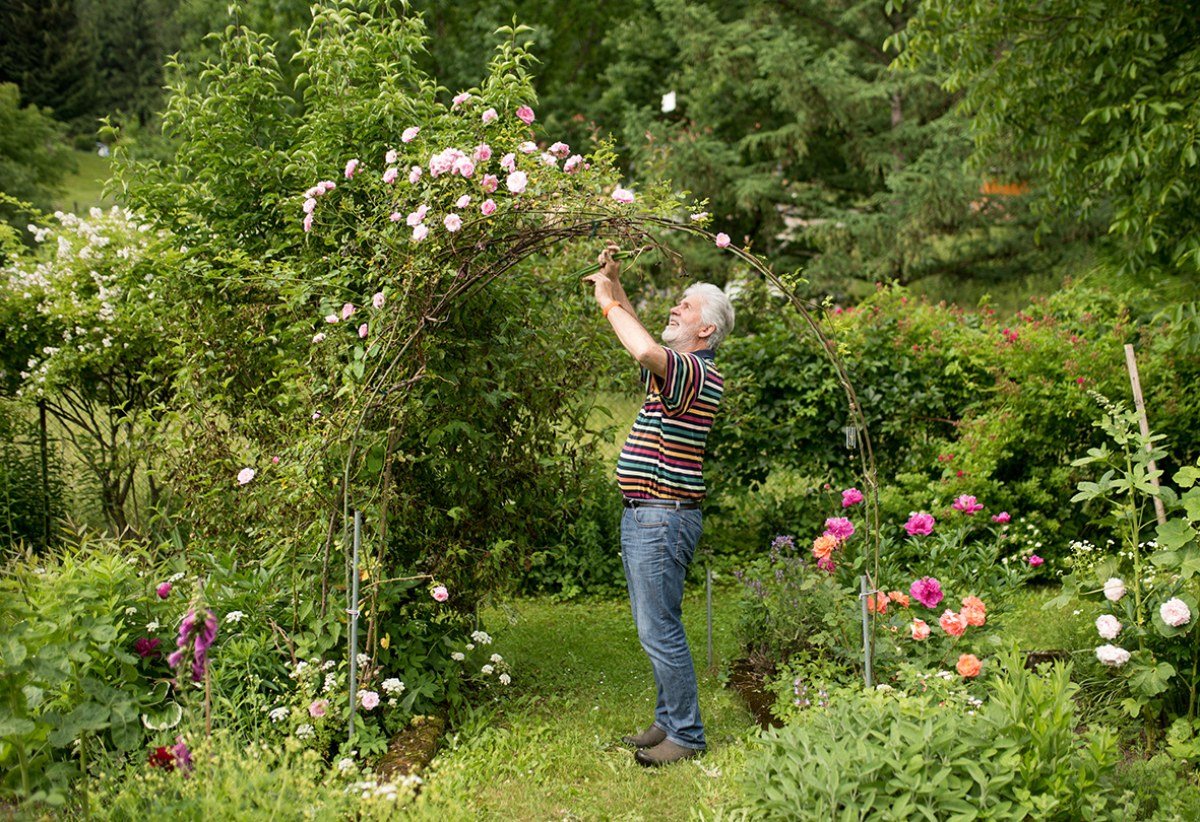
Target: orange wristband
point(609, 308)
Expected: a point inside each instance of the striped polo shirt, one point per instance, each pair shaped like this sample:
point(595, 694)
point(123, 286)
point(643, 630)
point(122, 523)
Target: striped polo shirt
point(663, 457)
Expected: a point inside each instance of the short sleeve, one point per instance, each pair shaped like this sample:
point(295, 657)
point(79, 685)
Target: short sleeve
point(682, 382)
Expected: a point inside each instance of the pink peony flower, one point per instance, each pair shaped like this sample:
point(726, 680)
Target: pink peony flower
point(920, 524)
point(1112, 656)
point(1114, 589)
point(347, 311)
point(1035, 560)
point(572, 164)
point(440, 593)
point(722, 240)
point(623, 195)
point(1108, 626)
point(490, 183)
point(482, 153)
point(927, 591)
point(368, 700)
point(953, 624)
point(967, 504)
point(245, 476)
point(351, 167)
point(452, 222)
point(839, 527)
point(378, 300)
point(459, 99)
point(509, 162)
point(464, 166)
point(516, 182)
point(1175, 612)
point(164, 590)
point(490, 116)
point(560, 149)
point(308, 222)
point(318, 707)
point(363, 331)
point(488, 208)
point(851, 496)
point(420, 232)
point(920, 630)
point(410, 134)
point(390, 175)
point(525, 114)
point(1002, 517)
point(414, 174)
point(391, 157)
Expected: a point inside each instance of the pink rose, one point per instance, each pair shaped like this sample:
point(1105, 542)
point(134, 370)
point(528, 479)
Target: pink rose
point(318, 707)
point(163, 590)
point(310, 205)
point(420, 232)
point(826, 564)
point(482, 153)
point(1035, 560)
point(527, 147)
point(274, 460)
point(561, 149)
point(953, 624)
point(572, 164)
point(347, 311)
point(851, 496)
point(1002, 517)
point(417, 217)
point(390, 175)
point(509, 162)
point(927, 591)
point(623, 195)
point(920, 630)
point(490, 116)
point(490, 183)
point(839, 527)
point(549, 159)
point(396, 216)
point(391, 157)
point(459, 99)
point(525, 113)
point(331, 318)
point(363, 331)
point(1175, 612)
point(463, 201)
point(920, 524)
point(452, 222)
point(410, 134)
point(967, 504)
point(308, 221)
point(516, 182)
point(245, 476)
point(377, 300)
point(351, 167)
point(464, 166)
point(414, 174)
point(368, 700)
point(488, 208)
point(722, 240)
point(440, 593)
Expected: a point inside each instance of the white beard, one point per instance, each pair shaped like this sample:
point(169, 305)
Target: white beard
point(676, 336)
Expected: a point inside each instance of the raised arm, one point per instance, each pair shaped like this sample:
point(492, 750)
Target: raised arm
point(611, 297)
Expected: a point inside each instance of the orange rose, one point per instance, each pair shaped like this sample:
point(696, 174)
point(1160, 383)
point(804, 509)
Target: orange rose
point(899, 597)
point(974, 616)
point(920, 630)
point(968, 665)
point(974, 602)
point(953, 624)
point(877, 602)
point(824, 545)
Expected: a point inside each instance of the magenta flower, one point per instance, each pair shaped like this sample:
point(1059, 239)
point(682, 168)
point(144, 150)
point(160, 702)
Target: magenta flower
point(826, 564)
point(851, 496)
point(967, 504)
point(927, 591)
point(195, 637)
point(351, 167)
point(145, 647)
point(488, 208)
point(274, 460)
point(839, 527)
point(526, 115)
point(163, 590)
point(723, 240)
point(516, 182)
point(410, 134)
point(490, 183)
point(1035, 560)
point(490, 116)
point(920, 524)
point(1002, 517)
point(181, 754)
point(440, 593)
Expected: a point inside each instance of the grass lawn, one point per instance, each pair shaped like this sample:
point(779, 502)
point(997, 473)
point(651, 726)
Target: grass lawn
point(83, 188)
point(549, 748)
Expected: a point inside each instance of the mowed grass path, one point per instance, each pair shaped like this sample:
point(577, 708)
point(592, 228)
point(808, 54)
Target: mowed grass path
point(549, 747)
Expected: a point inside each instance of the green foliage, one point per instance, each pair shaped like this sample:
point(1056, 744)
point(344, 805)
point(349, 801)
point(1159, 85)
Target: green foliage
point(31, 502)
point(890, 756)
point(1104, 97)
point(33, 154)
point(1158, 788)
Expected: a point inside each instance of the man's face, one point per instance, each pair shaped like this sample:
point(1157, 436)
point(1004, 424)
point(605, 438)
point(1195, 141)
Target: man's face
point(684, 325)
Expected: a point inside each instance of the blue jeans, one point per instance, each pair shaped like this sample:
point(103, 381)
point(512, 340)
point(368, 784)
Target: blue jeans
point(656, 547)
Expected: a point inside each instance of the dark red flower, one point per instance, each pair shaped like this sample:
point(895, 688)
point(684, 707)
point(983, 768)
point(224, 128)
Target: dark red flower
point(146, 646)
point(161, 757)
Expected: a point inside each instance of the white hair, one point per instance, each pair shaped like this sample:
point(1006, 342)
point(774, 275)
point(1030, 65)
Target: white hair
point(715, 310)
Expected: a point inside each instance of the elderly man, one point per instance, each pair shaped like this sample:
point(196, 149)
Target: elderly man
point(660, 476)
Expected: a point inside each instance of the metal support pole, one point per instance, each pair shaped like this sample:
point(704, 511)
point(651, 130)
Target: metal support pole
point(708, 598)
point(353, 612)
point(866, 632)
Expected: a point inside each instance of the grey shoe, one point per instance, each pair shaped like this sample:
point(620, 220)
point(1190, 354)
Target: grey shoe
point(664, 753)
point(647, 738)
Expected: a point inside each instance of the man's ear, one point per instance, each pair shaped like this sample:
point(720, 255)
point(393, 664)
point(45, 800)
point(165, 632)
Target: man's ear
point(706, 331)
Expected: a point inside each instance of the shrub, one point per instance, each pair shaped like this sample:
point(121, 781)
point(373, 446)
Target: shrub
point(886, 755)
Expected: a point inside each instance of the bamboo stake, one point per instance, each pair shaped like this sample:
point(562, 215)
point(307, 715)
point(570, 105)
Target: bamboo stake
point(1144, 424)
